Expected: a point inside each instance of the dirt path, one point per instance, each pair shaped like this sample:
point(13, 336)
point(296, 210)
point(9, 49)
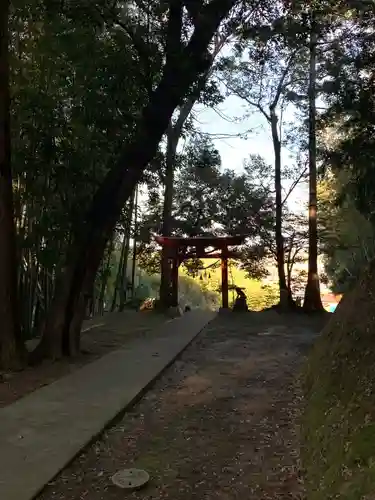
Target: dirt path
point(221, 423)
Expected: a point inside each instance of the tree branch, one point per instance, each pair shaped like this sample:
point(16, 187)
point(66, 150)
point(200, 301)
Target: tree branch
point(173, 46)
point(294, 184)
point(193, 7)
point(241, 95)
point(282, 80)
point(140, 47)
point(188, 105)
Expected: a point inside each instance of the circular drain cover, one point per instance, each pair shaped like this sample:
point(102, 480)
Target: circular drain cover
point(130, 479)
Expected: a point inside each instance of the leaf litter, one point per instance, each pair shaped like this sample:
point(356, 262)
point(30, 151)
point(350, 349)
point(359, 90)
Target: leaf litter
point(222, 423)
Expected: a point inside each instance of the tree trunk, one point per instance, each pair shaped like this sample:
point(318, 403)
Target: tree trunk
point(173, 137)
point(90, 241)
point(124, 272)
point(174, 132)
point(134, 259)
point(289, 280)
point(105, 277)
point(123, 264)
point(10, 330)
point(283, 288)
point(118, 275)
point(312, 300)
point(124, 275)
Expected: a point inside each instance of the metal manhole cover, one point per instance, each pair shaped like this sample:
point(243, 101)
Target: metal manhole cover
point(131, 479)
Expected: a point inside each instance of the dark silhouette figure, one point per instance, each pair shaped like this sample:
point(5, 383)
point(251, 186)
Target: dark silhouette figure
point(240, 304)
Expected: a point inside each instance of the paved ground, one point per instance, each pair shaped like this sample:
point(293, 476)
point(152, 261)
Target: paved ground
point(42, 432)
point(100, 336)
point(222, 422)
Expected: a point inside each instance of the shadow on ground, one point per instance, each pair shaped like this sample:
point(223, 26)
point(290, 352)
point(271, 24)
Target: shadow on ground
point(221, 423)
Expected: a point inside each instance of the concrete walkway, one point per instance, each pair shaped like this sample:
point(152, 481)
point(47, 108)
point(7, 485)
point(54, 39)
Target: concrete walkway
point(42, 432)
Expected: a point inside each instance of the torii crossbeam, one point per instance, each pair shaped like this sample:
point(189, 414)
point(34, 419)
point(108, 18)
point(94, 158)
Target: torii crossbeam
point(179, 249)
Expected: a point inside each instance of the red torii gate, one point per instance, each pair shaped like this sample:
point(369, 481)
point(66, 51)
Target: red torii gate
point(179, 249)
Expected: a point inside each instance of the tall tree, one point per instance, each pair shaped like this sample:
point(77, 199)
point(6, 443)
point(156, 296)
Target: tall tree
point(212, 201)
point(229, 32)
point(263, 74)
point(173, 136)
point(65, 133)
point(10, 351)
point(348, 93)
point(184, 63)
point(312, 300)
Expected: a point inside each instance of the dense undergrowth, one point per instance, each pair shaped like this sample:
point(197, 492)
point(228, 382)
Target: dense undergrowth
point(339, 418)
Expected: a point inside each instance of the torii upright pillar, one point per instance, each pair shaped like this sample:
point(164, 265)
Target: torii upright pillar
point(174, 281)
point(224, 278)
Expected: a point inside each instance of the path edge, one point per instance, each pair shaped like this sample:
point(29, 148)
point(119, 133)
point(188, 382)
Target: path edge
point(120, 414)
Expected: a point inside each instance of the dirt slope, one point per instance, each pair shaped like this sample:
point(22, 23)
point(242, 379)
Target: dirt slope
point(339, 420)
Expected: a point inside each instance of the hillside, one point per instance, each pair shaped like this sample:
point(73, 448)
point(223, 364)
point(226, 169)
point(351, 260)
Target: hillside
point(339, 419)
point(259, 295)
point(146, 286)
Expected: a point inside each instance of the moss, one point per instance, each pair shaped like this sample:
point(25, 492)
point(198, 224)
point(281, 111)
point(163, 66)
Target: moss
point(160, 458)
point(339, 418)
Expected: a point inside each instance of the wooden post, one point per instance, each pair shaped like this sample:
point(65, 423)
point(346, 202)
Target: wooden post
point(224, 278)
point(174, 281)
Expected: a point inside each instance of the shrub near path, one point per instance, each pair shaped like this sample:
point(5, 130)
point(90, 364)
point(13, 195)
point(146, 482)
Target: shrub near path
point(221, 423)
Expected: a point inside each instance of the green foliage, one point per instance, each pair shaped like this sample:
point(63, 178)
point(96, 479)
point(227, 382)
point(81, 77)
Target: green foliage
point(346, 237)
point(210, 201)
point(269, 72)
point(81, 75)
point(338, 428)
point(350, 98)
point(194, 295)
point(268, 298)
point(220, 202)
point(147, 285)
point(70, 116)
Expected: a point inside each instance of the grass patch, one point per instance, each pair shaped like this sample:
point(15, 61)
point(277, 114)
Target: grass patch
point(339, 419)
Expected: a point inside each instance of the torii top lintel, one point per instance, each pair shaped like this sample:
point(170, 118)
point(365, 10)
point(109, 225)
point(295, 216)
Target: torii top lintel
point(220, 242)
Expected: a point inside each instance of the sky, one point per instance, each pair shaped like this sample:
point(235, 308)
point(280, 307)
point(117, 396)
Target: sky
point(234, 150)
